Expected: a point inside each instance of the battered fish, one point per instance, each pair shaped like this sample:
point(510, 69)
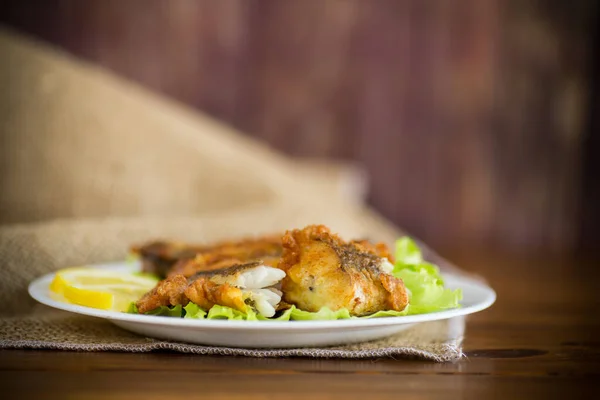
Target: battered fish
point(164, 258)
point(238, 286)
point(267, 249)
point(243, 285)
point(324, 271)
point(158, 257)
point(168, 292)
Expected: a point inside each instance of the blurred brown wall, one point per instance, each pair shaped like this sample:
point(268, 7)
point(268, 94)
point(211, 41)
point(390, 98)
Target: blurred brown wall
point(470, 115)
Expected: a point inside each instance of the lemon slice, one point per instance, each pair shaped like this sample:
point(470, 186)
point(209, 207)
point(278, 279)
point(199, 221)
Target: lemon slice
point(107, 290)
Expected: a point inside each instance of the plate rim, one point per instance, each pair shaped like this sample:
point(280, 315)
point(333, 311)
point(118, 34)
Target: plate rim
point(37, 286)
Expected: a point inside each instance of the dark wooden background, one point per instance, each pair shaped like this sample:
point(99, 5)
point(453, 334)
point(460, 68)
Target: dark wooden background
point(471, 116)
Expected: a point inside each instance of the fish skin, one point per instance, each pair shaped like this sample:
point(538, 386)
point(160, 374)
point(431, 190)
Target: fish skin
point(166, 258)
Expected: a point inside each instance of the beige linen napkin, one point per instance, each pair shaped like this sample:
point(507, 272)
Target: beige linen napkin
point(30, 250)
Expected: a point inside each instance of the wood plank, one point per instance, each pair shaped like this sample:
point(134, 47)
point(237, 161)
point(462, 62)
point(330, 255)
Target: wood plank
point(153, 384)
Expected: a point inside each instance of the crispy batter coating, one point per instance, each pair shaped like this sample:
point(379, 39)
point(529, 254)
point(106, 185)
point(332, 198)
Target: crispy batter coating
point(158, 257)
point(321, 270)
point(267, 249)
point(206, 293)
point(380, 249)
point(165, 258)
point(205, 289)
point(168, 292)
point(324, 271)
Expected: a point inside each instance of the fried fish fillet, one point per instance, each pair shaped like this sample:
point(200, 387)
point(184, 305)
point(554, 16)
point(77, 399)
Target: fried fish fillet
point(158, 257)
point(268, 249)
point(238, 286)
point(324, 271)
point(165, 258)
point(379, 249)
point(168, 292)
point(249, 284)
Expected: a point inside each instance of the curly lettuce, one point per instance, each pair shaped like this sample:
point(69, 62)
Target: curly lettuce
point(192, 311)
point(175, 311)
point(423, 281)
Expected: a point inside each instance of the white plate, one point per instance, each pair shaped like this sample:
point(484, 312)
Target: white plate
point(268, 334)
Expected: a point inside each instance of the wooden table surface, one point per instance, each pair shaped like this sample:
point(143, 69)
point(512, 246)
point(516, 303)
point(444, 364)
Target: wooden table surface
point(540, 340)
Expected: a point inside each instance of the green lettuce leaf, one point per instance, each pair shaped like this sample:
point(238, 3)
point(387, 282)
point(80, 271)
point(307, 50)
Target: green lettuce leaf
point(323, 314)
point(176, 311)
point(132, 309)
point(423, 280)
point(193, 311)
point(407, 252)
point(291, 314)
point(388, 313)
point(223, 312)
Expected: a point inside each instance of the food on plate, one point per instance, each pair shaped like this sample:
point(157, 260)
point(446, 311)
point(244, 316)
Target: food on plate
point(167, 258)
point(107, 290)
point(267, 249)
point(380, 249)
point(168, 292)
point(304, 274)
point(242, 287)
point(158, 257)
point(322, 270)
point(239, 287)
point(318, 275)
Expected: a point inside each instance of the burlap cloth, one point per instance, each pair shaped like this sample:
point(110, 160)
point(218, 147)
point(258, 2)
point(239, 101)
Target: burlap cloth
point(78, 143)
point(30, 250)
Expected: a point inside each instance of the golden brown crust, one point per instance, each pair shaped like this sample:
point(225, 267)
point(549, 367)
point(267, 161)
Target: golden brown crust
point(167, 292)
point(324, 271)
point(321, 270)
point(205, 288)
point(268, 249)
point(397, 296)
point(168, 258)
point(292, 240)
point(379, 249)
point(159, 256)
point(199, 264)
point(205, 293)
